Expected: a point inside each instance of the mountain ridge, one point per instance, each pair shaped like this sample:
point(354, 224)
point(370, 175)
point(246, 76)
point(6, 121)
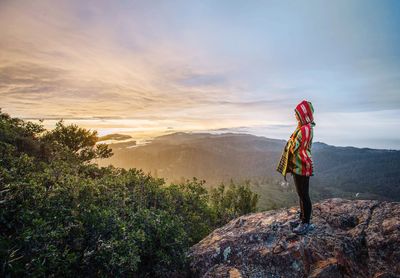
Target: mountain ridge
point(208, 134)
point(347, 172)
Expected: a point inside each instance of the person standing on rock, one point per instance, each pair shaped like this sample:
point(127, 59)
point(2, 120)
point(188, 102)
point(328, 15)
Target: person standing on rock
point(296, 159)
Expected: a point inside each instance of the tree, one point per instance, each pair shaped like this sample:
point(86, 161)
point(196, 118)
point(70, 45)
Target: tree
point(233, 201)
point(77, 142)
point(62, 215)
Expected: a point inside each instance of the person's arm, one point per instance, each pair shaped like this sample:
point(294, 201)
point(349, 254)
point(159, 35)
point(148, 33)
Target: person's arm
point(301, 143)
point(305, 142)
point(297, 142)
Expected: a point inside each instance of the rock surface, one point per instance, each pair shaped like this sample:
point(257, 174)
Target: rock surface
point(359, 238)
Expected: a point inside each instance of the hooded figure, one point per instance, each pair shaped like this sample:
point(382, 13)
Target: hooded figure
point(296, 157)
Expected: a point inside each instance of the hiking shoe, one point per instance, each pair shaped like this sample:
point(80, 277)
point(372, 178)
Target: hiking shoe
point(302, 228)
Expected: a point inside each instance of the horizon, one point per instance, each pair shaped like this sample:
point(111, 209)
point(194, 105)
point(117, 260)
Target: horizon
point(144, 138)
point(146, 69)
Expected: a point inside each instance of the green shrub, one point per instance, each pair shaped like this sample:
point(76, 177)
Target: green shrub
point(62, 215)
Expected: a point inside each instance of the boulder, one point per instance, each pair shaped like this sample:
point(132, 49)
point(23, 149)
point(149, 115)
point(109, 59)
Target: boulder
point(351, 238)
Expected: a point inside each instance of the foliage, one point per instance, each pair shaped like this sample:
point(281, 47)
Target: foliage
point(63, 215)
point(233, 201)
point(189, 200)
point(77, 142)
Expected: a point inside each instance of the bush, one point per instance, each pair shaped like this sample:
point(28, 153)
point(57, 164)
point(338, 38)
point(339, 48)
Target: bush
point(62, 215)
point(232, 201)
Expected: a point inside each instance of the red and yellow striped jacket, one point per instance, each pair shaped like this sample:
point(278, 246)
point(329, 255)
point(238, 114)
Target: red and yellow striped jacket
point(296, 157)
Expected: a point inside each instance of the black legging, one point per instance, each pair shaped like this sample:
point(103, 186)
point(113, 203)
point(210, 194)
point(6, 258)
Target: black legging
point(302, 184)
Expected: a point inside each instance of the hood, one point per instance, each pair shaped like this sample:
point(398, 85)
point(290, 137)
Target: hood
point(305, 112)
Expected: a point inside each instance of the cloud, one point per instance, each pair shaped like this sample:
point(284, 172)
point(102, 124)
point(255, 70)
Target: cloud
point(62, 67)
point(202, 65)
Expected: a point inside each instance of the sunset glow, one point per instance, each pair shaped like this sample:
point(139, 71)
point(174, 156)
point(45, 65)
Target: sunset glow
point(146, 68)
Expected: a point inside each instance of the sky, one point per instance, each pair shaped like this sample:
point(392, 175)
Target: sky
point(146, 68)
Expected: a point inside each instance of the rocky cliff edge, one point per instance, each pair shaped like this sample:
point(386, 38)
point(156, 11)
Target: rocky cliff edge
point(358, 238)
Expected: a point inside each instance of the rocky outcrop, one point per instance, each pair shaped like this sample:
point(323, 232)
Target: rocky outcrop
point(358, 238)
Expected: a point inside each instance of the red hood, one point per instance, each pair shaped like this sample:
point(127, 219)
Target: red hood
point(305, 111)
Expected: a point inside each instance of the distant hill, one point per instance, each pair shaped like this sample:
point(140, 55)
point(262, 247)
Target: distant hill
point(347, 172)
point(115, 136)
point(206, 156)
